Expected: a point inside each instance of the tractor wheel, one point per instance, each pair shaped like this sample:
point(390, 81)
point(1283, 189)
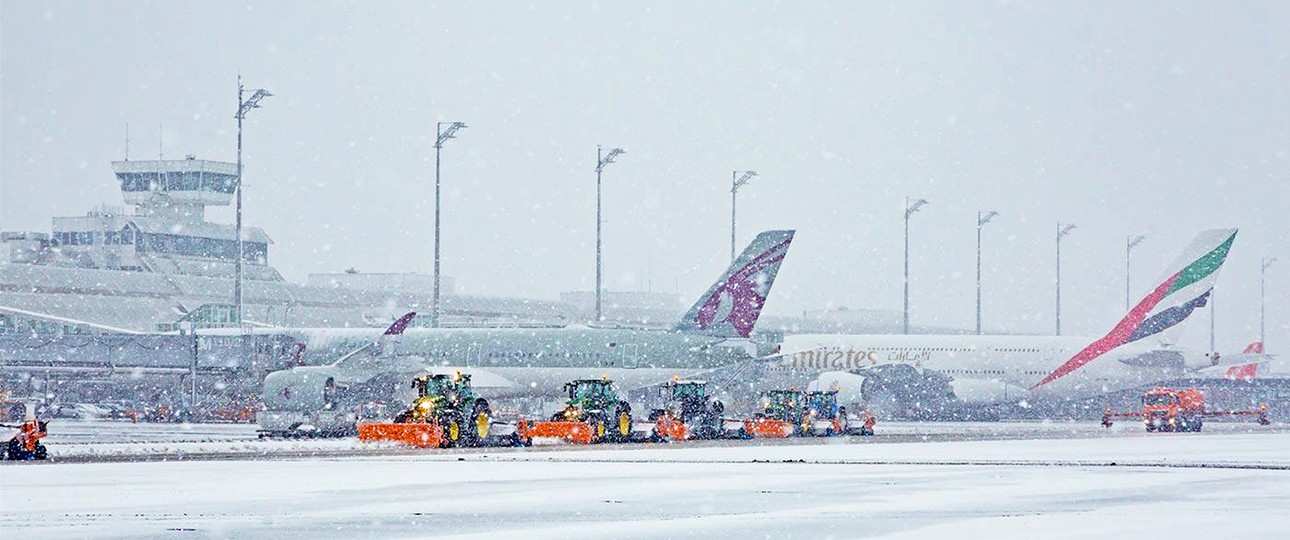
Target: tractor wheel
point(718, 408)
point(1200, 422)
point(623, 421)
point(599, 427)
point(452, 430)
point(41, 453)
point(481, 422)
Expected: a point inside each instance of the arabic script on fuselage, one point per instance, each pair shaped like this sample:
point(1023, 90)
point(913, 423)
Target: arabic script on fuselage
point(838, 358)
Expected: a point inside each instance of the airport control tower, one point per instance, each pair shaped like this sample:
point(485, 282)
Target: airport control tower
point(167, 232)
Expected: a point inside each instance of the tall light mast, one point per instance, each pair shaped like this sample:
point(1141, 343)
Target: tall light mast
point(911, 206)
point(981, 219)
point(736, 182)
point(243, 106)
point(1061, 231)
point(441, 134)
point(602, 159)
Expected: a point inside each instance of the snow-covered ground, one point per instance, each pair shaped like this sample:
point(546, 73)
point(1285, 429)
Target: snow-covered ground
point(1232, 482)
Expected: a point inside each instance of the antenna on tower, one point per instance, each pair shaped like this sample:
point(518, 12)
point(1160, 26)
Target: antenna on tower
point(127, 141)
point(160, 131)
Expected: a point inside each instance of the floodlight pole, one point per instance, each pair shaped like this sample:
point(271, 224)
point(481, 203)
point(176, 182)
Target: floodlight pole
point(911, 206)
point(736, 182)
point(1263, 271)
point(1130, 242)
point(981, 219)
point(441, 135)
point(602, 160)
point(243, 106)
point(1061, 231)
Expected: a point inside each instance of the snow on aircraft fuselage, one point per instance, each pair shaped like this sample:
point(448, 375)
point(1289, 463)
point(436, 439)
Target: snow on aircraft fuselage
point(1000, 369)
point(514, 362)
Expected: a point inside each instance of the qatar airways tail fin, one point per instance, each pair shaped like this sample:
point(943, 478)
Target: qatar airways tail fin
point(385, 341)
point(732, 305)
point(1186, 285)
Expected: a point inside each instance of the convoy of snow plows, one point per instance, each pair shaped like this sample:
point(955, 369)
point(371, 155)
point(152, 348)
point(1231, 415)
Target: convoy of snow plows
point(448, 413)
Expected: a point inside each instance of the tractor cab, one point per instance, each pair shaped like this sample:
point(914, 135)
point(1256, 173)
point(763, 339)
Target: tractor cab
point(782, 405)
point(1160, 398)
point(822, 404)
point(686, 398)
point(591, 394)
point(437, 393)
point(687, 390)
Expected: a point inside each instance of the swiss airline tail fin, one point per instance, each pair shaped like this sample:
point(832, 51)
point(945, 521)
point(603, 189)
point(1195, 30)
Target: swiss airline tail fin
point(1186, 286)
point(1254, 348)
point(732, 305)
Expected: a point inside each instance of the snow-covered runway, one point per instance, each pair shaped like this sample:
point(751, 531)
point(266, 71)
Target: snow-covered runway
point(1047, 488)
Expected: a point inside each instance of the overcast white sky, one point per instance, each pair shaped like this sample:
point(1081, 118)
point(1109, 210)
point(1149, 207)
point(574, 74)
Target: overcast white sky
point(1156, 118)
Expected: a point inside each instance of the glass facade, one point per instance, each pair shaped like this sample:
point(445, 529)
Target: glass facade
point(91, 238)
point(172, 244)
point(196, 246)
point(177, 181)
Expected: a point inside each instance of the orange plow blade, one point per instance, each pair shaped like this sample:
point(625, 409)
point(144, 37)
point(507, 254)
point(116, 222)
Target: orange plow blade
point(415, 434)
point(768, 428)
point(574, 432)
point(672, 429)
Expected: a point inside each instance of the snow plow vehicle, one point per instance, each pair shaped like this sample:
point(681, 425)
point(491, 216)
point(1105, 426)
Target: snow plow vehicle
point(593, 413)
point(446, 412)
point(1167, 410)
point(688, 412)
point(781, 415)
point(822, 416)
point(25, 445)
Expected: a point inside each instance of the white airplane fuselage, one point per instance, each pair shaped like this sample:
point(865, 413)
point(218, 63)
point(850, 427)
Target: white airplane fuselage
point(987, 369)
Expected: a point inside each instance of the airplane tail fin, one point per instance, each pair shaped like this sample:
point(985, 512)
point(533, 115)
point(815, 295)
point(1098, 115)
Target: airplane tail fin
point(386, 340)
point(1254, 348)
point(732, 305)
point(401, 324)
point(1187, 285)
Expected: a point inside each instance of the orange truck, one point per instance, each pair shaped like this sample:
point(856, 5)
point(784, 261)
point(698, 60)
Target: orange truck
point(1166, 409)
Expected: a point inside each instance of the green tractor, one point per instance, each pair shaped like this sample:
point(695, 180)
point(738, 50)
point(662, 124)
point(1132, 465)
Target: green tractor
point(594, 402)
point(784, 406)
point(450, 402)
point(687, 412)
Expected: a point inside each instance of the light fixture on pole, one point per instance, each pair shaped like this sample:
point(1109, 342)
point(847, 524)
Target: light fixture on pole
point(1267, 262)
point(1130, 242)
point(441, 134)
point(736, 181)
point(911, 206)
point(602, 159)
point(1061, 231)
point(243, 106)
point(981, 219)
